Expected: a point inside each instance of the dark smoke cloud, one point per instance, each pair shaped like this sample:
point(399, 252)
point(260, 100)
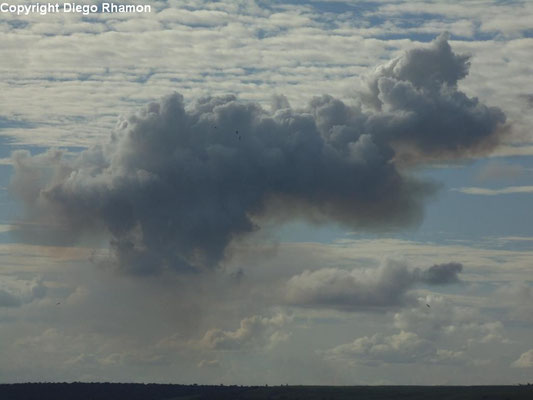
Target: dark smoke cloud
point(423, 112)
point(175, 184)
point(441, 274)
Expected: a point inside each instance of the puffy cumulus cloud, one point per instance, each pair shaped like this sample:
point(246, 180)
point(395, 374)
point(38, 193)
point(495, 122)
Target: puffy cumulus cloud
point(175, 184)
point(403, 348)
point(525, 360)
point(254, 331)
point(385, 286)
point(14, 292)
point(421, 89)
point(445, 320)
point(442, 334)
point(364, 288)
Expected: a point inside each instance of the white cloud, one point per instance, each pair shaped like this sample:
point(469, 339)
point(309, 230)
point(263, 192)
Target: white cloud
point(194, 48)
point(253, 332)
point(402, 348)
point(494, 192)
point(436, 317)
point(383, 287)
point(524, 361)
point(489, 16)
point(16, 292)
point(436, 332)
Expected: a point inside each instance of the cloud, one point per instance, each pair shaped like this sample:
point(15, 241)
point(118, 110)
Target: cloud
point(209, 364)
point(440, 274)
point(14, 292)
point(516, 239)
point(175, 184)
point(404, 348)
point(515, 150)
point(364, 289)
point(255, 331)
point(505, 19)
point(516, 298)
point(400, 348)
point(524, 361)
point(443, 319)
point(75, 103)
point(443, 334)
point(437, 118)
point(385, 286)
point(494, 192)
point(8, 299)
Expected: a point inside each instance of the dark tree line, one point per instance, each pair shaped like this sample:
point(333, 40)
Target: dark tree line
point(136, 391)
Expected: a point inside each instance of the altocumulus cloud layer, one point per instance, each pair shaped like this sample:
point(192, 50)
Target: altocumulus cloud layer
point(176, 183)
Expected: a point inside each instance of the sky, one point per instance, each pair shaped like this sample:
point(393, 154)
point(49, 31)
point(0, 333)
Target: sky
point(266, 192)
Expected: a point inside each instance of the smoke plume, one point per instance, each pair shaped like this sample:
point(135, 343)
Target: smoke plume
point(176, 183)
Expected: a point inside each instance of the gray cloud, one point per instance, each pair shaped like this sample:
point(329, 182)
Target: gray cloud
point(420, 90)
point(516, 299)
point(175, 184)
point(528, 99)
point(8, 299)
point(364, 289)
point(441, 274)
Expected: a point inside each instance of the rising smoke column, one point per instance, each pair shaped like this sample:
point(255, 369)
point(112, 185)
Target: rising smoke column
point(174, 184)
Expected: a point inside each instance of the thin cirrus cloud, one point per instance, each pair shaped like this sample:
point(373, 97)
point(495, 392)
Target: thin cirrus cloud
point(175, 184)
